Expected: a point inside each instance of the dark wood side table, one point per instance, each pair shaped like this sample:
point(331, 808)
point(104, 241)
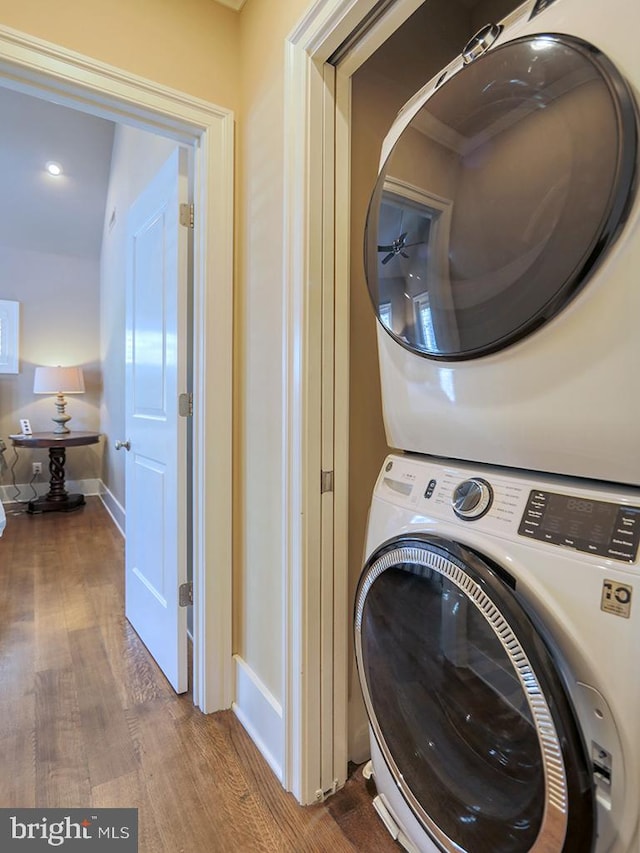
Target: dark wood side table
point(57, 498)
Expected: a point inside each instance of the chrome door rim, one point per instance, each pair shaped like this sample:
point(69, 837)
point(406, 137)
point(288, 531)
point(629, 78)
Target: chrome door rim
point(555, 813)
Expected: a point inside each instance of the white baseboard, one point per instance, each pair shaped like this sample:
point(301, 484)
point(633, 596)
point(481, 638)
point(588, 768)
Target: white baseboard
point(260, 714)
point(113, 507)
point(25, 491)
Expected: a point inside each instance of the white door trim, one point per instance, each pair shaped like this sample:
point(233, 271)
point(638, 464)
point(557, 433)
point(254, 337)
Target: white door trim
point(39, 68)
point(311, 746)
point(317, 204)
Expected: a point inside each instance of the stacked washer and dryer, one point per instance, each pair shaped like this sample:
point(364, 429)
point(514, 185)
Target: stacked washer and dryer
point(497, 621)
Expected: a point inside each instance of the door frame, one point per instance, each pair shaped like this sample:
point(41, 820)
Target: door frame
point(316, 257)
point(50, 72)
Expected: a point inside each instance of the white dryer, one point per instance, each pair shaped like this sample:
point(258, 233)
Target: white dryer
point(502, 248)
point(497, 628)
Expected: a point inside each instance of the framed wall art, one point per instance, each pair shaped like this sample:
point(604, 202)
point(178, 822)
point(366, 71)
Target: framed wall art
point(9, 335)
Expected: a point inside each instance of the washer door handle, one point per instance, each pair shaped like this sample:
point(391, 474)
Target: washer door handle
point(481, 42)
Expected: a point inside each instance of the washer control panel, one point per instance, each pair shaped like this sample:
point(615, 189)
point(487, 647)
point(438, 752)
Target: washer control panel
point(596, 527)
point(472, 498)
point(602, 520)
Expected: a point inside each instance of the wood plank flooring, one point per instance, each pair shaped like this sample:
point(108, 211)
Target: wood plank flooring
point(87, 719)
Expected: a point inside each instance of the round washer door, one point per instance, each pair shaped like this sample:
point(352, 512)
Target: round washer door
point(467, 704)
point(500, 197)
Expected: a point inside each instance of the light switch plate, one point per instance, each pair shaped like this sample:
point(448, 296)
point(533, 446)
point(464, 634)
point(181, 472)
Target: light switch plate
point(25, 426)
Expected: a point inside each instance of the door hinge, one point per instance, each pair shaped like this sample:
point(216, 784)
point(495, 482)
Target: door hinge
point(185, 405)
point(326, 481)
point(185, 594)
point(186, 215)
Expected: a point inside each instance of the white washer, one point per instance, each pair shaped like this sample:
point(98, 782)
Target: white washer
point(497, 630)
point(502, 248)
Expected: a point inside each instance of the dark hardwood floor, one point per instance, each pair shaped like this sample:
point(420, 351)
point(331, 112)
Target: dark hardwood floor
point(87, 719)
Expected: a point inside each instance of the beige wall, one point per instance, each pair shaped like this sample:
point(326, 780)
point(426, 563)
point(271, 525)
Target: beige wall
point(190, 45)
point(264, 25)
point(58, 296)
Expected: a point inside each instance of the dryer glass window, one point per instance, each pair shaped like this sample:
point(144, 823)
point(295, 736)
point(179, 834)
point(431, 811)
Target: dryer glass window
point(500, 197)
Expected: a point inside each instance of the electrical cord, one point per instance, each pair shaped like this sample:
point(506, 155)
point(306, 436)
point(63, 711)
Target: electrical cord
point(18, 491)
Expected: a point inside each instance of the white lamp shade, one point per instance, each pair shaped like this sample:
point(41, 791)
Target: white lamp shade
point(58, 380)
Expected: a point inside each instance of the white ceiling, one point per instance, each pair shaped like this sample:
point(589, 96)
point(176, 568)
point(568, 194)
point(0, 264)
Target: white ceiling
point(63, 215)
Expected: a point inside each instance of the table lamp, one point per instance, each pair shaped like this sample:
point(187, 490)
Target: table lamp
point(59, 381)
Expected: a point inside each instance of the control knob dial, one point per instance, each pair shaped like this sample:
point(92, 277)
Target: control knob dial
point(472, 498)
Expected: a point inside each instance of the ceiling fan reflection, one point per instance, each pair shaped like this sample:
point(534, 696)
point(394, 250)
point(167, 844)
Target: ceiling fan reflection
point(397, 247)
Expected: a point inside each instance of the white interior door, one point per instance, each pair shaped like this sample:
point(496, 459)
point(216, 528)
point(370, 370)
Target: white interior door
point(156, 373)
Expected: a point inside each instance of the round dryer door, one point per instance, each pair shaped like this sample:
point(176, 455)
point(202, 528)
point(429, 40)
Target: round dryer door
point(467, 704)
point(500, 197)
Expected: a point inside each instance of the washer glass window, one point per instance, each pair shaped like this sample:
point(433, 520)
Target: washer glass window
point(500, 197)
point(467, 706)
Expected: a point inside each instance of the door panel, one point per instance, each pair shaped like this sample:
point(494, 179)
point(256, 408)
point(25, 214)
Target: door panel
point(156, 553)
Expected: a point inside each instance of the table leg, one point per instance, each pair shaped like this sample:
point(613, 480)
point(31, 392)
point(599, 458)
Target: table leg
point(57, 498)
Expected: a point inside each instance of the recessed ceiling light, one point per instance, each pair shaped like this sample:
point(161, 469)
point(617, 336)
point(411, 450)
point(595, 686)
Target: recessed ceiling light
point(54, 168)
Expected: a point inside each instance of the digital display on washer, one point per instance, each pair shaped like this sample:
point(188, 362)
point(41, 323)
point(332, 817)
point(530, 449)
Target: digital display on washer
point(579, 518)
point(596, 527)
